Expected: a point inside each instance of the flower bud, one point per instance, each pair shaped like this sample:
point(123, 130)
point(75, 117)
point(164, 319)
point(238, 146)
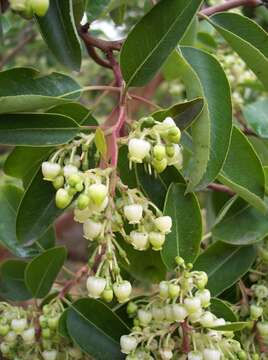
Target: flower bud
point(50, 170)
point(195, 317)
point(58, 182)
point(195, 355)
point(201, 279)
point(144, 316)
point(92, 229)
point(159, 152)
point(163, 224)
point(4, 329)
point(81, 215)
point(174, 135)
point(18, 325)
point(75, 353)
point(170, 150)
point(160, 166)
point(219, 322)
point(39, 7)
point(128, 344)
point(210, 354)
point(11, 337)
point(204, 296)
point(4, 348)
point(163, 289)
point(166, 354)
point(132, 308)
point(140, 240)
point(138, 149)
point(177, 158)
point(107, 295)
point(95, 286)
point(169, 121)
point(74, 179)
point(97, 193)
point(158, 313)
point(53, 322)
point(29, 335)
point(207, 319)
point(50, 354)
point(82, 202)
point(69, 170)
point(122, 291)
point(99, 208)
point(173, 291)
point(179, 312)
point(133, 213)
point(63, 199)
point(263, 328)
point(157, 240)
point(192, 305)
point(255, 312)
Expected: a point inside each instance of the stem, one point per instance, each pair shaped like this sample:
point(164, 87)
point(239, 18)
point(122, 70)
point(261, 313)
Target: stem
point(221, 188)
point(71, 283)
point(228, 5)
point(186, 348)
point(115, 134)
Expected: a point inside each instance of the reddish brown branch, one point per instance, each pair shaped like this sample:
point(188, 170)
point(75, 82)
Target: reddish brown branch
point(186, 346)
point(228, 5)
point(71, 283)
point(221, 188)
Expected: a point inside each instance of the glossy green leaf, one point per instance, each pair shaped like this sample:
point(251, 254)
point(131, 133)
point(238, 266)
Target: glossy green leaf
point(245, 226)
point(222, 309)
point(247, 38)
point(42, 271)
point(12, 284)
point(37, 210)
point(96, 329)
point(63, 324)
point(23, 162)
point(59, 32)
point(31, 129)
point(23, 89)
point(203, 76)
point(256, 116)
point(184, 114)
point(261, 148)
point(235, 326)
point(225, 264)
point(78, 10)
point(100, 142)
point(186, 233)
point(95, 8)
point(240, 164)
point(10, 197)
point(155, 36)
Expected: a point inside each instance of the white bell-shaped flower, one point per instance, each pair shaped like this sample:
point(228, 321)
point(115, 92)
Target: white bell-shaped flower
point(207, 319)
point(29, 335)
point(179, 312)
point(177, 158)
point(122, 291)
point(50, 354)
point(97, 193)
point(50, 170)
point(204, 296)
point(192, 305)
point(164, 289)
point(139, 240)
point(138, 149)
point(144, 316)
point(92, 229)
point(163, 224)
point(69, 170)
point(133, 213)
point(211, 354)
point(19, 325)
point(157, 240)
point(128, 344)
point(169, 121)
point(95, 286)
point(194, 355)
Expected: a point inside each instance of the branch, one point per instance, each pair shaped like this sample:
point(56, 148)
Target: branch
point(228, 5)
point(221, 188)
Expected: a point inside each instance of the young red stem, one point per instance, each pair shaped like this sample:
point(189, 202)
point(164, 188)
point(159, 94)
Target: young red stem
point(186, 346)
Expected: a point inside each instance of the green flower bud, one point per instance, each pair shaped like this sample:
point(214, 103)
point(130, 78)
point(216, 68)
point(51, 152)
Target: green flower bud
point(173, 291)
point(174, 135)
point(255, 312)
point(132, 308)
point(170, 150)
point(39, 7)
point(4, 329)
point(43, 321)
point(46, 333)
point(63, 199)
point(58, 182)
point(97, 193)
point(147, 122)
point(156, 240)
point(107, 295)
point(82, 202)
point(53, 323)
point(159, 166)
point(74, 179)
point(159, 152)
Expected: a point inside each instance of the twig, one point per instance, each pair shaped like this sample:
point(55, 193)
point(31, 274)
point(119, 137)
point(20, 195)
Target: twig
point(185, 341)
point(221, 188)
point(228, 5)
point(71, 283)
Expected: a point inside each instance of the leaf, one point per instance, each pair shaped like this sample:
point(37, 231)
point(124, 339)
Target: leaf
point(10, 197)
point(42, 271)
point(37, 210)
point(36, 129)
point(222, 309)
point(23, 162)
point(12, 285)
point(100, 142)
point(155, 35)
point(247, 38)
point(245, 226)
point(235, 326)
point(96, 329)
point(186, 233)
point(240, 164)
point(59, 32)
point(95, 8)
point(23, 89)
point(203, 76)
point(256, 116)
point(224, 264)
point(184, 114)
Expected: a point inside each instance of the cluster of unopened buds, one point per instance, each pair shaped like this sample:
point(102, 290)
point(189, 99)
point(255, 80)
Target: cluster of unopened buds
point(255, 312)
point(109, 211)
point(156, 144)
point(29, 334)
point(176, 323)
point(29, 8)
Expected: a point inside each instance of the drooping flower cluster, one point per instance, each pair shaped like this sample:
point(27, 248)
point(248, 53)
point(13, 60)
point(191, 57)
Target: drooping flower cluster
point(255, 308)
point(176, 323)
point(29, 8)
point(109, 211)
point(156, 144)
point(29, 334)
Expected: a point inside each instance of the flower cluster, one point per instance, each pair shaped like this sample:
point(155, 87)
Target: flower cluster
point(156, 144)
point(176, 323)
point(29, 8)
point(29, 334)
point(109, 211)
